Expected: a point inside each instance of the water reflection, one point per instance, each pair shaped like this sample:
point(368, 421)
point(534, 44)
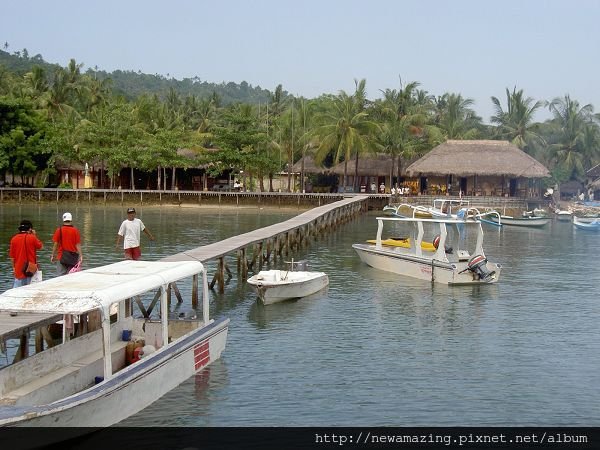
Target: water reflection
point(267, 316)
point(379, 349)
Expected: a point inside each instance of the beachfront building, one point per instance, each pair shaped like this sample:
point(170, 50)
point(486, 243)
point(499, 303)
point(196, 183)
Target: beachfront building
point(479, 168)
point(373, 172)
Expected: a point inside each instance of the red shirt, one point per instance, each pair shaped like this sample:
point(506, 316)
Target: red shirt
point(23, 247)
point(70, 239)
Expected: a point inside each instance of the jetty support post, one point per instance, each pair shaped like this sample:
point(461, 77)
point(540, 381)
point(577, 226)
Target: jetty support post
point(195, 280)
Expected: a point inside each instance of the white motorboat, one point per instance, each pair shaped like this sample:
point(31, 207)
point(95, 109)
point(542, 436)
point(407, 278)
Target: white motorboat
point(563, 215)
point(275, 285)
point(94, 380)
point(458, 259)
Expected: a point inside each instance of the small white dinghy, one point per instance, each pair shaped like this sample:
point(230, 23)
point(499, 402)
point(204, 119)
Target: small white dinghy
point(274, 286)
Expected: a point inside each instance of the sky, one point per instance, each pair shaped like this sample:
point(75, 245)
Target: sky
point(476, 48)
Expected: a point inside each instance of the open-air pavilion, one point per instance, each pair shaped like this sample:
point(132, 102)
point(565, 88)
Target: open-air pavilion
point(480, 168)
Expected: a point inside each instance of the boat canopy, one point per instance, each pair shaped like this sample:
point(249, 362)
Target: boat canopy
point(97, 288)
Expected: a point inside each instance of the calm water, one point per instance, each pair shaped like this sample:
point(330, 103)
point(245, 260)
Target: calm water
point(375, 348)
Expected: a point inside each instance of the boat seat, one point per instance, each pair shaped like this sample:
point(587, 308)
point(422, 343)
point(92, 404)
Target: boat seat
point(50, 382)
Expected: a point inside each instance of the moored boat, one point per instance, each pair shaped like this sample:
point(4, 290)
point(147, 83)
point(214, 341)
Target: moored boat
point(563, 215)
point(448, 208)
point(518, 221)
point(589, 224)
point(273, 286)
point(452, 262)
point(94, 379)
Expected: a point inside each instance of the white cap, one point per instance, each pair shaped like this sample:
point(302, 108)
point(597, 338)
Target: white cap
point(67, 217)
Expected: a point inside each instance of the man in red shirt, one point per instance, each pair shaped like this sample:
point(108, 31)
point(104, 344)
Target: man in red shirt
point(23, 248)
point(67, 246)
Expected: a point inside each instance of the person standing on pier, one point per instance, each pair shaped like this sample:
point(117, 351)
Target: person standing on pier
point(67, 246)
point(23, 251)
point(130, 232)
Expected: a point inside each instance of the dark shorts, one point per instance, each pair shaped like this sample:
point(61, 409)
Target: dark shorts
point(134, 253)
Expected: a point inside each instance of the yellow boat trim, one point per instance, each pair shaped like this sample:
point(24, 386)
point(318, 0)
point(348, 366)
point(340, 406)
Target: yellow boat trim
point(403, 243)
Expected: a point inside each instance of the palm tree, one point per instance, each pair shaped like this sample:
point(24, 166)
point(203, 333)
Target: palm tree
point(516, 123)
point(344, 130)
point(405, 116)
point(457, 119)
point(568, 148)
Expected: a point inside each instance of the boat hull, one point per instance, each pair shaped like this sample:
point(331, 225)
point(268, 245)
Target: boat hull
point(521, 222)
point(564, 216)
point(131, 389)
point(593, 225)
point(273, 286)
point(422, 268)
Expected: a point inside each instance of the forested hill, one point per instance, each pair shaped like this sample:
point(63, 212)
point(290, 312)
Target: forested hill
point(132, 84)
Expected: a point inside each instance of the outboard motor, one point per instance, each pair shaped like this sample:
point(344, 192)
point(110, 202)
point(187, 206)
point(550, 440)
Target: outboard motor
point(478, 265)
point(436, 244)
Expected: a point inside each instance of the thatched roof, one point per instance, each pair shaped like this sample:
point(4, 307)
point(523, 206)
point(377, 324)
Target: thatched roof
point(368, 166)
point(484, 157)
point(309, 166)
point(594, 172)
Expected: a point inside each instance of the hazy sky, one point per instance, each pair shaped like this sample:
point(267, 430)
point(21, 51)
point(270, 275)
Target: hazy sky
point(477, 48)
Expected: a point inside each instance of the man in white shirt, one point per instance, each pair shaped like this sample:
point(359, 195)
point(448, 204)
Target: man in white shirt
point(130, 232)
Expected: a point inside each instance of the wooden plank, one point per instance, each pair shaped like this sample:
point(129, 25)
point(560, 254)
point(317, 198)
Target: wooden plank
point(12, 327)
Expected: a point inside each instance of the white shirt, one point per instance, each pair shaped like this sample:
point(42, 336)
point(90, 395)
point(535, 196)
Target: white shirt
point(131, 230)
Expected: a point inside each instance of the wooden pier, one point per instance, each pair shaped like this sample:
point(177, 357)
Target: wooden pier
point(272, 241)
point(144, 197)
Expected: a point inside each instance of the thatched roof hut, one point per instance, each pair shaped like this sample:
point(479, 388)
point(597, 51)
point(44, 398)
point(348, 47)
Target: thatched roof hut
point(378, 165)
point(594, 172)
point(482, 158)
point(309, 166)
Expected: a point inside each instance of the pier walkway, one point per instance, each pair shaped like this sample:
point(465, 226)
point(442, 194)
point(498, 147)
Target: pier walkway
point(273, 240)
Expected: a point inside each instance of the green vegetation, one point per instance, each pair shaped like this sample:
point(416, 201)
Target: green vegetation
point(51, 114)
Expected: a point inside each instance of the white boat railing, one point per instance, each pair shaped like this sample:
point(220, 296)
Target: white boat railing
point(418, 233)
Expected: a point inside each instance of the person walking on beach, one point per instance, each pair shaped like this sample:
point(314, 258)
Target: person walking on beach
point(23, 250)
point(130, 232)
point(67, 246)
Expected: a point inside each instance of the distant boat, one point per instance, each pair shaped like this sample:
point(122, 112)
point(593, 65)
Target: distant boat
point(519, 221)
point(593, 225)
point(448, 208)
point(563, 215)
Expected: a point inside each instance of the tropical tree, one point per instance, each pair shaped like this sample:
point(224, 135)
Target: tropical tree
point(516, 123)
point(457, 120)
point(406, 131)
point(571, 139)
point(22, 135)
point(344, 130)
point(242, 144)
